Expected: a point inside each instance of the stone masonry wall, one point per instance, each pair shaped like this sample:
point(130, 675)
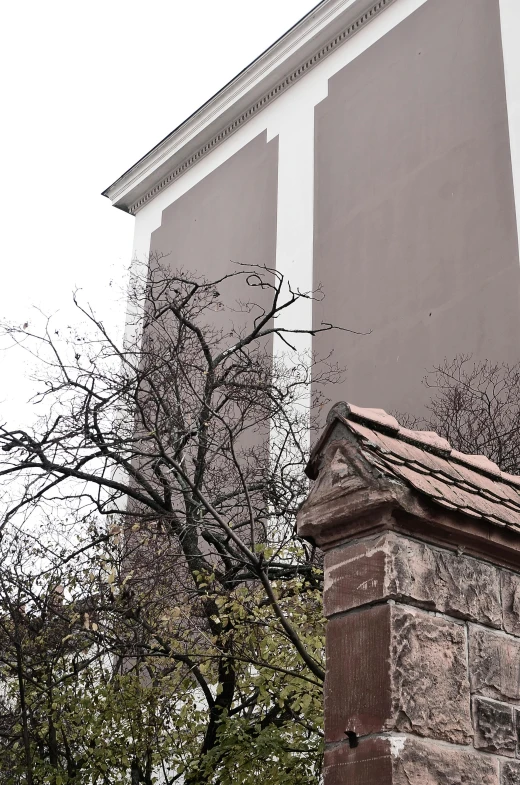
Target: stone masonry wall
point(423, 666)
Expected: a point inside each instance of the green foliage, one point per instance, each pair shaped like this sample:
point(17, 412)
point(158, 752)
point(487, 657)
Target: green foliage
point(97, 717)
point(163, 622)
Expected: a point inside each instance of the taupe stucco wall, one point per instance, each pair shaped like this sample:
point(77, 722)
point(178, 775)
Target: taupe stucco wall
point(415, 230)
point(229, 216)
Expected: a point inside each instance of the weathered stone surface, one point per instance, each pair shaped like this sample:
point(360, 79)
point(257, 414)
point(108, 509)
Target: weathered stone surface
point(494, 665)
point(407, 761)
point(395, 567)
point(511, 602)
point(430, 688)
point(494, 725)
point(370, 763)
point(417, 763)
point(450, 583)
point(354, 575)
point(395, 668)
point(357, 684)
point(510, 773)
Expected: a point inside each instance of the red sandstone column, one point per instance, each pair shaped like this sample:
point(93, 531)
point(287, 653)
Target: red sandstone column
point(423, 607)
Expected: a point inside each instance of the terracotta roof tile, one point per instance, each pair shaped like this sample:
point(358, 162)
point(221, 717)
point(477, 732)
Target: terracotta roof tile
point(428, 439)
point(444, 477)
point(367, 433)
point(480, 462)
point(425, 461)
point(469, 511)
point(496, 521)
point(422, 469)
point(514, 479)
point(374, 416)
point(448, 505)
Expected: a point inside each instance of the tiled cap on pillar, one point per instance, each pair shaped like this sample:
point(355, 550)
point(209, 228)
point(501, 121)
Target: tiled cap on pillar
point(422, 596)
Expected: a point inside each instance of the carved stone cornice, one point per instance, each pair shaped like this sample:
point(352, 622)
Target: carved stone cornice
point(339, 20)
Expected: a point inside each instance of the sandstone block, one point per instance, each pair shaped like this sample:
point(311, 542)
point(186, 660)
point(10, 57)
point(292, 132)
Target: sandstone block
point(394, 668)
point(370, 763)
point(357, 683)
point(406, 761)
point(395, 567)
point(450, 583)
point(494, 665)
point(355, 575)
point(510, 773)
point(417, 763)
point(494, 725)
point(430, 688)
point(511, 602)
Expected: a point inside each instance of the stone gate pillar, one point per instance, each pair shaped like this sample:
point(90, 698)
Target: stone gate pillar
point(422, 597)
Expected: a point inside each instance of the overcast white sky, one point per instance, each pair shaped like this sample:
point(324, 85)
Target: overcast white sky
point(87, 89)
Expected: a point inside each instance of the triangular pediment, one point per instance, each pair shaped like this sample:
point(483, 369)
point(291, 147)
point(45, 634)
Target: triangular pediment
point(341, 473)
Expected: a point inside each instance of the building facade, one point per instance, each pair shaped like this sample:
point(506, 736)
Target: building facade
point(374, 149)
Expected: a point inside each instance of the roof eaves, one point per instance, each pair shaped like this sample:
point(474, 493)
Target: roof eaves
point(472, 484)
point(225, 87)
point(327, 26)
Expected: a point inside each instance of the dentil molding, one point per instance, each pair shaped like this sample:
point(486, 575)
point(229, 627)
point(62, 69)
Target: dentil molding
point(136, 181)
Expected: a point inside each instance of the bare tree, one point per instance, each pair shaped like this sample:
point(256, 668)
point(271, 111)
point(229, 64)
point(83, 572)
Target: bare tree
point(180, 452)
point(476, 406)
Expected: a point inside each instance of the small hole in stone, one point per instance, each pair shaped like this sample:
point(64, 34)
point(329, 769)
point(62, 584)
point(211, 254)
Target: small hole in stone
point(352, 738)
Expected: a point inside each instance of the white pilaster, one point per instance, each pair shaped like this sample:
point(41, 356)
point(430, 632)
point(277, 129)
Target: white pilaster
point(510, 23)
point(295, 217)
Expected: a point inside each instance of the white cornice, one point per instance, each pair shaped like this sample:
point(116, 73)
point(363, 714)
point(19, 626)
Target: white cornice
point(315, 37)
